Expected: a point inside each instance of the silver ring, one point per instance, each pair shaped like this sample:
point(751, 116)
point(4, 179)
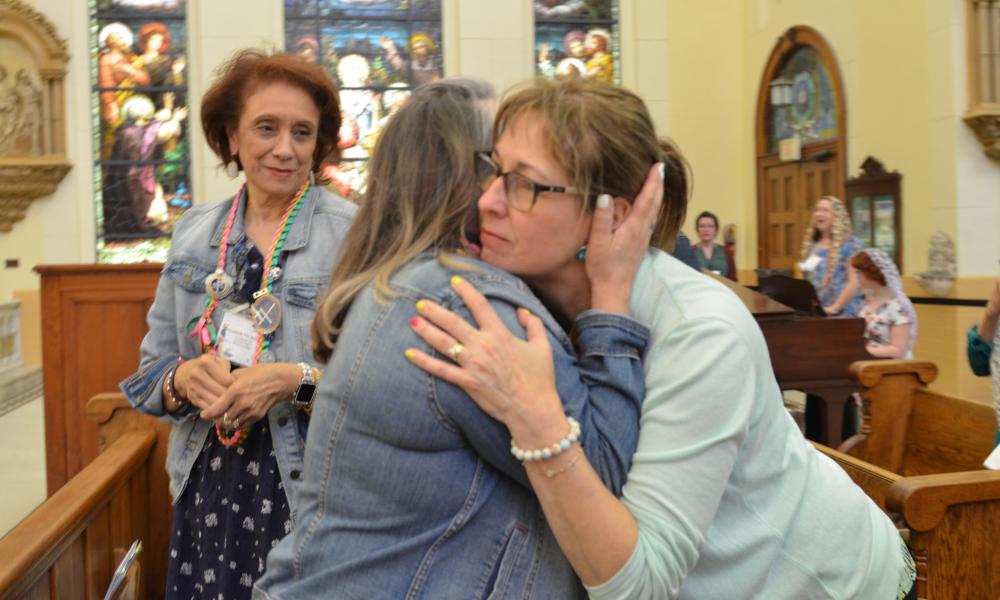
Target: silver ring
point(236, 423)
point(455, 350)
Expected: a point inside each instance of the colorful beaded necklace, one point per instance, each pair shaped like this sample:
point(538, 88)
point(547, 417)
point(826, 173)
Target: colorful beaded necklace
point(204, 329)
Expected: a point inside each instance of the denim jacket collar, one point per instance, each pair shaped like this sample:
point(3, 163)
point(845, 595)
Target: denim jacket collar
point(298, 234)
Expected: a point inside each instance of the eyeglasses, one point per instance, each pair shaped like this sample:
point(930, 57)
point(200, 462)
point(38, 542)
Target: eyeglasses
point(521, 192)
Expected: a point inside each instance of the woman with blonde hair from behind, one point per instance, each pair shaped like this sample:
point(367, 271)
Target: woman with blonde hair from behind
point(828, 245)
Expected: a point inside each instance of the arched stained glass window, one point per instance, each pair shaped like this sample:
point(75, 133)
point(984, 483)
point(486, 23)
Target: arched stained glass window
point(812, 114)
point(577, 38)
point(139, 107)
point(377, 51)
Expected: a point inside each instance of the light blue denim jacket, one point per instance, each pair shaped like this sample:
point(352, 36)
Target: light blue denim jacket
point(310, 251)
point(410, 490)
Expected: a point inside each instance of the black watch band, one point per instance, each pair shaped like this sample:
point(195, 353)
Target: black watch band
point(302, 399)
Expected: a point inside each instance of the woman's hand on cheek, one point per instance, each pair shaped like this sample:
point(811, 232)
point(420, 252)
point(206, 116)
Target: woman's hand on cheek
point(509, 378)
point(614, 253)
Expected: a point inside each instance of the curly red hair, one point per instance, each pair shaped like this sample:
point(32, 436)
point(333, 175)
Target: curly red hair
point(147, 31)
point(866, 266)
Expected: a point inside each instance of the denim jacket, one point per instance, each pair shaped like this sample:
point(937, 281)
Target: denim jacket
point(410, 490)
point(310, 251)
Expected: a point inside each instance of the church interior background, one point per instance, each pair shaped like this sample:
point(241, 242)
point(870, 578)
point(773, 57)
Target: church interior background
point(911, 84)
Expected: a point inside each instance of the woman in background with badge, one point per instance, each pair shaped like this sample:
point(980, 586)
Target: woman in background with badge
point(828, 245)
point(226, 359)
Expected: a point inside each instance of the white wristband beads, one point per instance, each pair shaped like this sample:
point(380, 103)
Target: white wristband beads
point(554, 450)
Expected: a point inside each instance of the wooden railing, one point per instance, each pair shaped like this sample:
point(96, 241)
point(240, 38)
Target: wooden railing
point(66, 547)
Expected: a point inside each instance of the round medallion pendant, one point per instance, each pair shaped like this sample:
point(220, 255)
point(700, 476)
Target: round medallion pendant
point(266, 312)
point(218, 285)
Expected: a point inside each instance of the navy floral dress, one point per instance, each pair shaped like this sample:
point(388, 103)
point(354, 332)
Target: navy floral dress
point(234, 507)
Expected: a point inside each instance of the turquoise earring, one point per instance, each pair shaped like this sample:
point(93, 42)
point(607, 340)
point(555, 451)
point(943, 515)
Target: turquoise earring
point(581, 254)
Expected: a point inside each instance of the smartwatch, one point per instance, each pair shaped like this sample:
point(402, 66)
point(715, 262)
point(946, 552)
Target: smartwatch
point(302, 399)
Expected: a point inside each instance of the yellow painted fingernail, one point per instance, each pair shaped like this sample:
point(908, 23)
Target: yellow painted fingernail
point(410, 353)
point(526, 310)
point(421, 304)
point(455, 280)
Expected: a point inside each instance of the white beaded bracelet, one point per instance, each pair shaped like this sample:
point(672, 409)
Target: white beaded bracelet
point(554, 450)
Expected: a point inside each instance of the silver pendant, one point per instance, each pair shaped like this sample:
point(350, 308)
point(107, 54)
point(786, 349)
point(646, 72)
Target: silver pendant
point(266, 312)
point(274, 273)
point(266, 356)
point(218, 285)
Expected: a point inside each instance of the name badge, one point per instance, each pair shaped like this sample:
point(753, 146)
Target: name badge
point(237, 337)
point(810, 263)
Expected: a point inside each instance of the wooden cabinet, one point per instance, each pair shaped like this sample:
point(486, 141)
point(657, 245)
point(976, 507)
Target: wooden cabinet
point(93, 320)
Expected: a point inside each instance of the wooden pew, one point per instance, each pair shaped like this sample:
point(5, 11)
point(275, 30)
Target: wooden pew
point(911, 430)
point(115, 418)
point(66, 547)
point(953, 521)
point(919, 455)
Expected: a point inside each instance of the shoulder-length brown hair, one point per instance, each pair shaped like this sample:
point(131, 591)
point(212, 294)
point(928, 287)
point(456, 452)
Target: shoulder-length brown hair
point(423, 183)
point(236, 79)
point(603, 136)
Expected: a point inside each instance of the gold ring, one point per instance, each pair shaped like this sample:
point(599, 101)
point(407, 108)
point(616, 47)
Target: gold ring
point(225, 419)
point(455, 350)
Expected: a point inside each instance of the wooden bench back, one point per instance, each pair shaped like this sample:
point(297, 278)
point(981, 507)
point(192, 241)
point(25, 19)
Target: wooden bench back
point(951, 522)
point(910, 430)
point(65, 547)
point(946, 435)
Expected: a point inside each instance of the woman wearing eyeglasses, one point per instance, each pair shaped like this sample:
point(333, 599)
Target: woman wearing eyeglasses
point(724, 499)
point(409, 490)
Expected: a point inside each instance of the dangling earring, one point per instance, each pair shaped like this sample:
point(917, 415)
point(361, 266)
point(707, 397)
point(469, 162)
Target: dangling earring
point(232, 169)
point(581, 254)
point(312, 178)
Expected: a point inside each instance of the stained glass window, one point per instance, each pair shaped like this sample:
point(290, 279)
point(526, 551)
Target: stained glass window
point(139, 105)
point(377, 51)
point(577, 38)
point(812, 114)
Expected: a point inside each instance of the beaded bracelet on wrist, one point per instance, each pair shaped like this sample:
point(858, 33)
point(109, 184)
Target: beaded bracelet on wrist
point(551, 451)
point(170, 389)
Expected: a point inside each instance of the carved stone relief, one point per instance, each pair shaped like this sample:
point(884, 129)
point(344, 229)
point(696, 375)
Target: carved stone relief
point(32, 104)
point(986, 124)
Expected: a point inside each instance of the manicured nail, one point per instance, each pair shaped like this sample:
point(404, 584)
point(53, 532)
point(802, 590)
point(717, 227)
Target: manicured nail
point(662, 171)
point(420, 305)
point(526, 311)
point(410, 353)
point(603, 201)
point(455, 280)
point(414, 321)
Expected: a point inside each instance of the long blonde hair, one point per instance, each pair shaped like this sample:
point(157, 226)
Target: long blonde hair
point(603, 136)
point(422, 186)
point(840, 231)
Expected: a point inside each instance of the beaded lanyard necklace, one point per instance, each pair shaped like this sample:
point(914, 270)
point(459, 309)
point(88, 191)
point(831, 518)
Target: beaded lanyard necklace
point(266, 310)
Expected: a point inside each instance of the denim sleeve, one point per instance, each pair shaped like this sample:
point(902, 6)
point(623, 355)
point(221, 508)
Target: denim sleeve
point(979, 353)
point(603, 390)
point(158, 352)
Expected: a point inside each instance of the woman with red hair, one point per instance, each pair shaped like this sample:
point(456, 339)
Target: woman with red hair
point(890, 321)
